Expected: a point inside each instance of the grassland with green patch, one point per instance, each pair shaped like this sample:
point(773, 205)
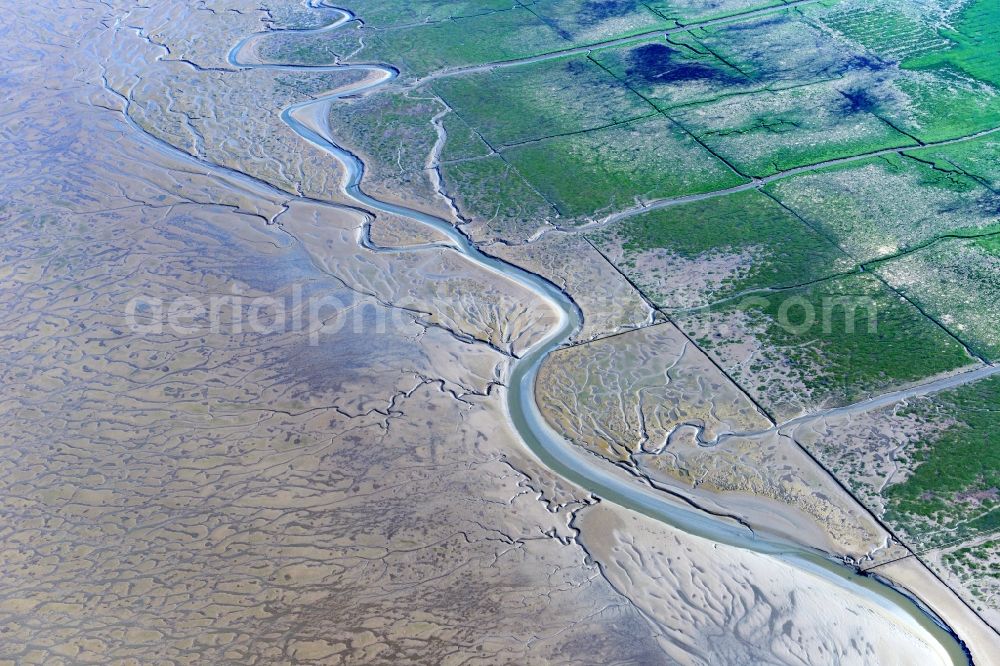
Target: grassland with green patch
point(595, 173)
point(881, 207)
point(977, 566)
point(491, 193)
point(688, 11)
point(779, 50)
point(832, 343)
point(978, 159)
point(767, 132)
point(392, 132)
point(463, 142)
point(554, 97)
point(747, 240)
point(592, 21)
point(419, 49)
point(953, 491)
point(669, 74)
point(395, 14)
point(892, 29)
point(324, 48)
point(947, 83)
point(957, 281)
point(974, 36)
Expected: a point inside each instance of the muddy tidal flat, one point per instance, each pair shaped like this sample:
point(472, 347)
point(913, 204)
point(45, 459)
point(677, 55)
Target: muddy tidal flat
point(331, 339)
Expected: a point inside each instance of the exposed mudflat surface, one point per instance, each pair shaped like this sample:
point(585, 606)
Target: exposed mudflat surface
point(245, 420)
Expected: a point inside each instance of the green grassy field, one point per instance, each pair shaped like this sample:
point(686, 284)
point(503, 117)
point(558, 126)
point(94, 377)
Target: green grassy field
point(591, 21)
point(947, 86)
point(661, 249)
point(322, 49)
point(957, 281)
point(956, 476)
point(596, 173)
point(687, 11)
point(394, 14)
point(463, 142)
point(491, 191)
point(979, 159)
point(978, 566)
point(973, 49)
point(393, 131)
point(941, 104)
point(779, 50)
point(881, 207)
point(420, 49)
point(554, 97)
point(767, 132)
point(832, 343)
point(672, 72)
point(892, 29)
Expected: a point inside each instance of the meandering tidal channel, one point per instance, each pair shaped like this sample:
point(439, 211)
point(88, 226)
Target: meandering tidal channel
point(310, 120)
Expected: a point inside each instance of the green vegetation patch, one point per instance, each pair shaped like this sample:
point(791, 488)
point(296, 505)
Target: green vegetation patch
point(697, 253)
point(973, 48)
point(958, 283)
point(893, 29)
point(300, 16)
point(517, 104)
point(978, 158)
point(393, 131)
point(767, 132)
point(459, 34)
point(292, 48)
point(669, 74)
point(939, 104)
point(591, 21)
point(463, 142)
point(601, 171)
point(392, 13)
point(978, 567)
point(502, 35)
point(955, 481)
point(989, 245)
point(491, 192)
point(832, 343)
point(577, 21)
point(883, 206)
point(781, 49)
point(688, 11)
point(947, 87)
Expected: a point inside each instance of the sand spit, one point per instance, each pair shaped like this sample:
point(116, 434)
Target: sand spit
point(692, 588)
point(913, 576)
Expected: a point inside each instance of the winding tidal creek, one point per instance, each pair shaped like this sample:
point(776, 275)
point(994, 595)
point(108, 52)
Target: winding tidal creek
point(310, 120)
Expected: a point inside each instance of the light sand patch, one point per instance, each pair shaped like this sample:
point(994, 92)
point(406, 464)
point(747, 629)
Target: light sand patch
point(716, 605)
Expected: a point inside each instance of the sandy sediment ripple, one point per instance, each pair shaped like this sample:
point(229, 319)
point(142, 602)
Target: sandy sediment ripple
point(222, 496)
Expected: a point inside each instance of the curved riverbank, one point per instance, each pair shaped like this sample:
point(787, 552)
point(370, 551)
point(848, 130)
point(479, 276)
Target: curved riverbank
point(309, 119)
